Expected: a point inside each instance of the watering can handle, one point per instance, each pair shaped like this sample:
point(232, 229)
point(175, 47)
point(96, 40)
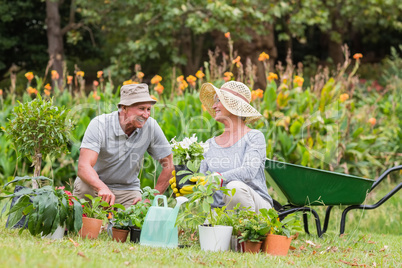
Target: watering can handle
point(156, 204)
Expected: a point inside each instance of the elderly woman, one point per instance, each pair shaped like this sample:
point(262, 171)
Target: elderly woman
point(239, 153)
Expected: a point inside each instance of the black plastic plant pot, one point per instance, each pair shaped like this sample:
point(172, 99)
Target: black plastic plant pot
point(135, 234)
point(179, 177)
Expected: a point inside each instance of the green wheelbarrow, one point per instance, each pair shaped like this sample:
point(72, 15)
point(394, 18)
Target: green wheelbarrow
point(306, 187)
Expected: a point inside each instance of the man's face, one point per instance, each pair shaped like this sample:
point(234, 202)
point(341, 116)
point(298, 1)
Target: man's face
point(137, 114)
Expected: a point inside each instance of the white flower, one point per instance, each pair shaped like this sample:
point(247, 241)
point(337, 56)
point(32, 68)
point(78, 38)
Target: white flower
point(205, 146)
point(185, 144)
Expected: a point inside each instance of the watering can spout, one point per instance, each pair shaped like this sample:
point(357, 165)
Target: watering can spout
point(180, 200)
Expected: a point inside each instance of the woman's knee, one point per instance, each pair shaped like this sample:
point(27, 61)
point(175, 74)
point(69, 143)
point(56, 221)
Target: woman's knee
point(238, 185)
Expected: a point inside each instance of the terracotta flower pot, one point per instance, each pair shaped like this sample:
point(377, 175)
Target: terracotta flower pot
point(253, 247)
point(120, 235)
point(90, 228)
point(276, 245)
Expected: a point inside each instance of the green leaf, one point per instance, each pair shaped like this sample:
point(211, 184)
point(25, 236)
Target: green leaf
point(205, 206)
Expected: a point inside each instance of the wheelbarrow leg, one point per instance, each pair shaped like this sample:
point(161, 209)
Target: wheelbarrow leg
point(305, 221)
point(304, 209)
point(379, 203)
point(326, 220)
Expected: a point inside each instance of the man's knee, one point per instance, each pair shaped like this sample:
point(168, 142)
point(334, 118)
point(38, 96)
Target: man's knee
point(81, 189)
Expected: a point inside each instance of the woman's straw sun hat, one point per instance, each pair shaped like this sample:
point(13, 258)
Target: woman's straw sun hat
point(234, 96)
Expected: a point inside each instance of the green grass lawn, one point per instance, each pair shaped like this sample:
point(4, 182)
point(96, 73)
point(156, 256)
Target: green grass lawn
point(371, 250)
point(372, 239)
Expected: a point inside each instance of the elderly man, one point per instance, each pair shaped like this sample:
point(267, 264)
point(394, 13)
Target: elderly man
point(113, 148)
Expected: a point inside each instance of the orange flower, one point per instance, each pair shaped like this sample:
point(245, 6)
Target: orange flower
point(299, 80)
point(203, 107)
point(272, 76)
point(32, 90)
point(140, 75)
point(253, 95)
point(95, 83)
point(69, 79)
point(154, 98)
point(99, 74)
point(263, 56)
point(260, 93)
point(95, 95)
point(227, 35)
point(257, 94)
point(127, 82)
point(180, 78)
point(228, 74)
point(183, 85)
point(237, 61)
point(48, 86)
point(357, 56)
point(47, 92)
point(1, 92)
point(55, 75)
point(344, 97)
point(191, 80)
point(80, 73)
point(156, 79)
point(199, 74)
point(29, 76)
point(372, 121)
point(159, 88)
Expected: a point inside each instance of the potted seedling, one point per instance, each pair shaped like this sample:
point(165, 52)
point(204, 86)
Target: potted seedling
point(213, 224)
point(95, 212)
point(253, 230)
point(279, 238)
point(138, 212)
point(121, 223)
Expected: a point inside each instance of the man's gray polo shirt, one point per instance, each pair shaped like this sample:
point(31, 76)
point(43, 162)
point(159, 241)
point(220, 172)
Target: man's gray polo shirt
point(120, 156)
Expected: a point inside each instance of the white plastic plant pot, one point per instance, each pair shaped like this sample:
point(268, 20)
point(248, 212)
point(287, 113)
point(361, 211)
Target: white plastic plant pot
point(215, 238)
point(58, 234)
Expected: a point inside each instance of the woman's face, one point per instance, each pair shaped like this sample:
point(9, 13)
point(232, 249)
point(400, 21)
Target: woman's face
point(221, 113)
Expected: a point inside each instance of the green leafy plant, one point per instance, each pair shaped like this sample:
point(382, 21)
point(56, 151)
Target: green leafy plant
point(135, 214)
point(45, 208)
point(280, 227)
point(121, 217)
point(198, 209)
point(38, 128)
point(95, 207)
point(252, 227)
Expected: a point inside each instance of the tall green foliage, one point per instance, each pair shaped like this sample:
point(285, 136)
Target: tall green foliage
point(39, 128)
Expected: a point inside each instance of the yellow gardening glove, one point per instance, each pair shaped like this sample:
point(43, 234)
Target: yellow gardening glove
point(173, 184)
point(189, 189)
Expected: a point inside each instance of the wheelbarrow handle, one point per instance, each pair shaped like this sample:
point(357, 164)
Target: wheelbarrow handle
point(385, 174)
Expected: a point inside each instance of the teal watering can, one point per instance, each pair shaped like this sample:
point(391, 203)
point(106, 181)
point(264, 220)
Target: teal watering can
point(159, 228)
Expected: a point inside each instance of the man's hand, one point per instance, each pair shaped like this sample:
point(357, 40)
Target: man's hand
point(138, 199)
point(107, 195)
